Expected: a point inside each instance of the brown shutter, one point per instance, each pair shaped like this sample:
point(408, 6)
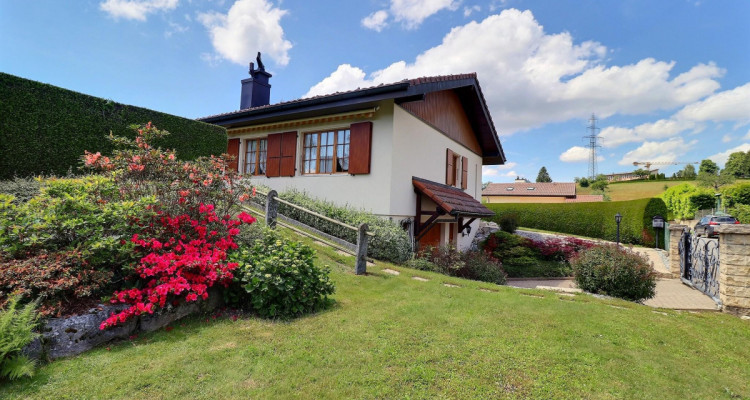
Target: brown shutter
point(464, 172)
point(233, 149)
point(450, 171)
point(273, 155)
point(360, 147)
point(288, 153)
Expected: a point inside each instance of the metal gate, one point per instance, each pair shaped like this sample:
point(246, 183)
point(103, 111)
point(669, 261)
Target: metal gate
point(699, 263)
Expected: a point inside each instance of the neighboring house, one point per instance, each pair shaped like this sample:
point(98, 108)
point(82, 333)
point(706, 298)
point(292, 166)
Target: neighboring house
point(628, 176)
point(522, 192)
point(411, 151)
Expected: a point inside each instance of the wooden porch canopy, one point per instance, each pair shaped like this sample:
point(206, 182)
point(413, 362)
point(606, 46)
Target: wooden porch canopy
point(451, 202)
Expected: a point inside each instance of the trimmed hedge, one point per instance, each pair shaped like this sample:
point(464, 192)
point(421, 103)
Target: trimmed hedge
point(45, 129)
point(596, 220)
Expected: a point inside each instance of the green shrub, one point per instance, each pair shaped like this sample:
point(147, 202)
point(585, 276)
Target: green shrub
point(741, 212)
point(736, 194)
point(614, 271)
point(508, 222)
point(280, 278)
point(680, 203)
point(474, 265)
point(16, 331)
point(22, 189)
point(44, 129)
point(596, 220)
point(391, 242)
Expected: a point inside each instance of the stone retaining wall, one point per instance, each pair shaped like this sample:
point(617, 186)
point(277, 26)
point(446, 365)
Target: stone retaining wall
point(64, 337)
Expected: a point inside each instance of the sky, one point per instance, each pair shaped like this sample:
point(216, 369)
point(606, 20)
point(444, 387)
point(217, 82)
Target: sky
point(668, 80)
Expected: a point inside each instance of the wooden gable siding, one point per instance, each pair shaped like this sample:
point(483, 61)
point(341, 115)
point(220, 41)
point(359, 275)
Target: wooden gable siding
point(443, 110)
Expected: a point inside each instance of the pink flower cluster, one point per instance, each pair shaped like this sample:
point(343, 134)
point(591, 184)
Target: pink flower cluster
point(190, 258)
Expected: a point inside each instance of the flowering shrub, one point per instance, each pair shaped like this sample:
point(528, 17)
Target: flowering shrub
point(279, 278)
point(475, 265)
point(560, 249)
point(614, 271)
point(183, 246)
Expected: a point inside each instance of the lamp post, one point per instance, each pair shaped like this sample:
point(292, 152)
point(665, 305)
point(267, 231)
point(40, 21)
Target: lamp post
point(618, 218)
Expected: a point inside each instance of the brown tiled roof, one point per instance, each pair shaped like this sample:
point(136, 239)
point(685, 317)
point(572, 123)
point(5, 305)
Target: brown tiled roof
point(585, 198)
point(531, 189)
point(412, 82)
point(453, 200)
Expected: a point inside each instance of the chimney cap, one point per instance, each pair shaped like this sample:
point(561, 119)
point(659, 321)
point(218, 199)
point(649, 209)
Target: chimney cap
point(261, 67)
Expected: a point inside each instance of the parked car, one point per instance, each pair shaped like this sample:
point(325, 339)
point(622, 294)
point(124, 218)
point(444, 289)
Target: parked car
point(705, 227)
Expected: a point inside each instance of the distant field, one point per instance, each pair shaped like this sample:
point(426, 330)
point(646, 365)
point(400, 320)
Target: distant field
point(632, 190)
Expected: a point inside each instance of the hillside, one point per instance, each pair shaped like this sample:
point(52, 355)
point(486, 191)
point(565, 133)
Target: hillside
point(631, 190)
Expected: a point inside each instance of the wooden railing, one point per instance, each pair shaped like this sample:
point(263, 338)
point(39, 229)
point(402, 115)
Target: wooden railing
point(271, 215)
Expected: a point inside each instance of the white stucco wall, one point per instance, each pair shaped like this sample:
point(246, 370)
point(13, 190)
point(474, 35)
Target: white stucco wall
point(420, 150)
point(368, 192)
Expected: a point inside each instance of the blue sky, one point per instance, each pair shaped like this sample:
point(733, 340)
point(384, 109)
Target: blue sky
point(669, 80)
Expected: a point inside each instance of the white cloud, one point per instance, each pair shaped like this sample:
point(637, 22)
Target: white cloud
point(578, 154)
point(747, 136)
point(668, 150)
point(376, 21)
point(136, 9)
point(531, 78)
point(175, 28)
point(614, 136)
point(726, 138)
point(249, 26)
point(469, 10)
point(721, 158)
point(412, 12)
point(498, 171)
point(729, 105)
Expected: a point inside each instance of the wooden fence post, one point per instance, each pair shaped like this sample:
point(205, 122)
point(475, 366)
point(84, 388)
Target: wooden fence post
point(360, 268)
point(272, 207)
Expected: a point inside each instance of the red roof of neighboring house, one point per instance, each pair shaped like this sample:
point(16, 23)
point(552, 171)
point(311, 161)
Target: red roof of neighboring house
point(585, 198)
point(453, 200)
point(531, 189)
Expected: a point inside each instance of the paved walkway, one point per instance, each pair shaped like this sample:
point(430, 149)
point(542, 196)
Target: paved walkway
point(670, 293)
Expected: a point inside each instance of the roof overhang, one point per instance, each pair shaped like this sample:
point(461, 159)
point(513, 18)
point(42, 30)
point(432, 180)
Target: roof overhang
point(453, 201)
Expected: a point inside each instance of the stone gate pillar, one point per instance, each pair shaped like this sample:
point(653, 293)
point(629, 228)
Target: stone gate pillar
point(734, 268)
point(675, 234)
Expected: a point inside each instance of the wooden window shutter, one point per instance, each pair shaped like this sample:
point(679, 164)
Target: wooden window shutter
point(450, 171)
point(233, 149)
point(360, 147)
point(273, 155)
point(464, 172)
point(288, 154)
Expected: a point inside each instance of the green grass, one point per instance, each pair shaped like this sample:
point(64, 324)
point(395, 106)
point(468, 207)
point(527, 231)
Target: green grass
point(632, 190)
point(395, 337)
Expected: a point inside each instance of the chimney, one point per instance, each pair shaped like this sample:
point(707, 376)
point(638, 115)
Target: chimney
point(256, 91)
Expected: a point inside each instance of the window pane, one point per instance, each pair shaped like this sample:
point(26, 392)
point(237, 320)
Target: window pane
point(314, 139)
point(308, 138)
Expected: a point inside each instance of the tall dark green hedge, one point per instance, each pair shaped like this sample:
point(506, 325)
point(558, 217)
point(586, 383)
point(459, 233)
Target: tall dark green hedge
point(596, 220)
point(44, 129)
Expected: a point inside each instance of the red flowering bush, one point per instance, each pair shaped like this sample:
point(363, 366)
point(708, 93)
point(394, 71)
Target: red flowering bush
point(559, 249)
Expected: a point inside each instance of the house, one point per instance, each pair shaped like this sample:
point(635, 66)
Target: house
point(524, 192)
point(411, 151)
point(628, 176)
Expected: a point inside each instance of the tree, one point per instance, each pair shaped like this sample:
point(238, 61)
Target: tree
point(600, 184)
point(641, 173)
point(543, 176)
point(688, 172)
point(714, 181)
point(583, 182)
point(708, 167)
point(737, 165)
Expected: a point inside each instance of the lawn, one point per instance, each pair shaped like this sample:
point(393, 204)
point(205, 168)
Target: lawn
point(396, 337)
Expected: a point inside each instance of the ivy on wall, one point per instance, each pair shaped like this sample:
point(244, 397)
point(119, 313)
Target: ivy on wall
point(45, 129)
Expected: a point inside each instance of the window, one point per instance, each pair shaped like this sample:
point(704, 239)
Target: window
point(255, 156)
point(326, 152)
point(456, 170)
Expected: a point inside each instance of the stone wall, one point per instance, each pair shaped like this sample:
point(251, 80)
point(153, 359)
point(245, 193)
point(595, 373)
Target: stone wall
point(734, 269)
point(64, 337)
point(675, 233)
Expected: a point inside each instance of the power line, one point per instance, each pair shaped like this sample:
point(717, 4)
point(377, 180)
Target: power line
point(592, 137)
